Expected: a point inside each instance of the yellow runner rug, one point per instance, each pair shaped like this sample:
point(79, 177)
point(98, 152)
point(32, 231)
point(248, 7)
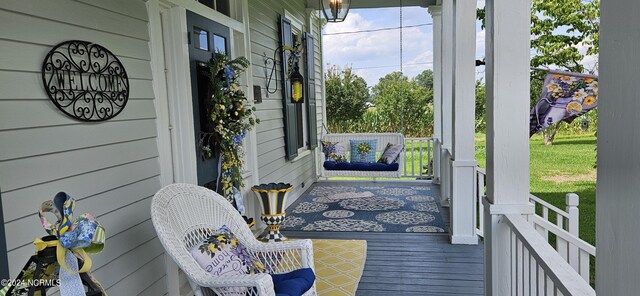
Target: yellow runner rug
point(338, 265)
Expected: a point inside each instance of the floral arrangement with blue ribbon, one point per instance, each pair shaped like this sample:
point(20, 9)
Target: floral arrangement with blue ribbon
point(76, 239)
point(229, 120)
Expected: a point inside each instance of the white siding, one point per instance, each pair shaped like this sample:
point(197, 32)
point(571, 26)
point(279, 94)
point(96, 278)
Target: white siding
point(110, 168)
point(265, 38)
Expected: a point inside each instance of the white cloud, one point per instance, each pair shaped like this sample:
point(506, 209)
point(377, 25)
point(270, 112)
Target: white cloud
point(480, 44)
point(368, 53)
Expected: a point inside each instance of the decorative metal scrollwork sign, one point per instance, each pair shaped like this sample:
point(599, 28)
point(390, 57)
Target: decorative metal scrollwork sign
point(85, 80)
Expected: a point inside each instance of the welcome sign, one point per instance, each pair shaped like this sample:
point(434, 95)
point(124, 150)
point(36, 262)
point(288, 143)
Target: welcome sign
point(85, 80)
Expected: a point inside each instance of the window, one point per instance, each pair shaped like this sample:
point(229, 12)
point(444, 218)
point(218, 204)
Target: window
point(221, 6)
point(301, 110)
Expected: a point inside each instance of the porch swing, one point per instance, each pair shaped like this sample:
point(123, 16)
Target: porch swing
point(364, 148)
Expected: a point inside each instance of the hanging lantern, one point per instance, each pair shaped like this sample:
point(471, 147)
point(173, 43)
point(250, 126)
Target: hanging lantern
point(297, 91)
point(335, 11)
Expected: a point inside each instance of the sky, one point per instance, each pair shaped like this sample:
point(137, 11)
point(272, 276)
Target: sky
point(372, 55)
point(375, 54)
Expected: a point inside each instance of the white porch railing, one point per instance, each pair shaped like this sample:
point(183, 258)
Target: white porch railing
point(553, 225)
point(481, 177)
point(536, 268)
point(418, 154)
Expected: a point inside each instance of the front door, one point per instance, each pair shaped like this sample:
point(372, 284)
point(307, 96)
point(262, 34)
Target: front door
point(205, 38)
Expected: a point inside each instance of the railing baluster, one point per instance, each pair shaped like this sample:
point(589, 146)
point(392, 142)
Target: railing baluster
point(525, 271)
point(560, 220)
point(513, 248)
point(518, 263)
point(429, 147)
point(545, 215)
point(413, 158)
point(533, 274)
point(540, 279)
point(584, 265)
point(420, 167)
point(406, 146)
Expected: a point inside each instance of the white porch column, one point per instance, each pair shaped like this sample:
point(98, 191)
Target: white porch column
point(463, 230)
point(436, 15)
point(447, 99)
point(507, 56)
point(618, 189)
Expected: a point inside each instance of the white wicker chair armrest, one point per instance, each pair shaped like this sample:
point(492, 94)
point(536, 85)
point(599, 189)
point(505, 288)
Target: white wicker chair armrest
point(262, 282)
point(285, 256)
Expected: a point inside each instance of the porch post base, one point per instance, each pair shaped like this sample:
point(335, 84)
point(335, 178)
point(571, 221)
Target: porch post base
point(445, 177)
point(463, 213)
point(464, 239)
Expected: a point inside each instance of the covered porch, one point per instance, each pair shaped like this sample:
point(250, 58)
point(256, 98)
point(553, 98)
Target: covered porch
point(495, 242)
point(493, 207)
point(403, 263)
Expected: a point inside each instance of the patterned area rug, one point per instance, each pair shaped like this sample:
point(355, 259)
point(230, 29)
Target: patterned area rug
point(339, 265)
point(370, 207)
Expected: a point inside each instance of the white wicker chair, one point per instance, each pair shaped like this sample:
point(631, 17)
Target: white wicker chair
point(184, 215)
point(382, 138)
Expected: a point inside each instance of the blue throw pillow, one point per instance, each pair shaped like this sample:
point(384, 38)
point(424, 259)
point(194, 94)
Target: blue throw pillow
point(363, 150)
point(293, 283)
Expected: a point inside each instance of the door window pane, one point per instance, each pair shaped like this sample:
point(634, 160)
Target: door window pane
point(220, 44)
point(201, 39)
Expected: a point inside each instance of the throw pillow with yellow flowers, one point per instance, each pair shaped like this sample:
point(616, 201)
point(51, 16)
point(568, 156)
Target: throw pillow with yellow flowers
point(229, 120)
point(364, 148)
point(222, 254)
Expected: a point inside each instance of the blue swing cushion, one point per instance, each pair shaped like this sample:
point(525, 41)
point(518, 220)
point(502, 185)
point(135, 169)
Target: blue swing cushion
point(293, 283)
point(361, 166)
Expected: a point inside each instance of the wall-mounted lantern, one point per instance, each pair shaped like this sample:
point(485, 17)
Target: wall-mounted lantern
point(297, 82)
point(294, 76)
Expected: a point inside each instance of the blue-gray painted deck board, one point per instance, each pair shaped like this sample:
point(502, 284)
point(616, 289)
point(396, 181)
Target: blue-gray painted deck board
point(414, 263)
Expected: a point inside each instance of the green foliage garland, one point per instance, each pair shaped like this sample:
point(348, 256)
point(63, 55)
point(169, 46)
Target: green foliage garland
point(229, 120)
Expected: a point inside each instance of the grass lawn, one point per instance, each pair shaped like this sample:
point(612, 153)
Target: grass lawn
point(566, 166)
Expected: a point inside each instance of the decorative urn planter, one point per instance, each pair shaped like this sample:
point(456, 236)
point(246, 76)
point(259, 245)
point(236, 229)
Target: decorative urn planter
point(273, 199)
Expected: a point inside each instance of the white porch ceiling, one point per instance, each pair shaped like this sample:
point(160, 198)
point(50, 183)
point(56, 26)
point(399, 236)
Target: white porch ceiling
point(378, 3)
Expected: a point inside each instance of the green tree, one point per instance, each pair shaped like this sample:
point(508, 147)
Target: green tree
point(558, 29)
point(581, 19)
point(481, 106)
point(347, 97)
point(403, 105)
point(425, 79)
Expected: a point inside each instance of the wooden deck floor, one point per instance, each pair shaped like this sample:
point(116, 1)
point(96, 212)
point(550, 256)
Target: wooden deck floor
point(414, 263)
